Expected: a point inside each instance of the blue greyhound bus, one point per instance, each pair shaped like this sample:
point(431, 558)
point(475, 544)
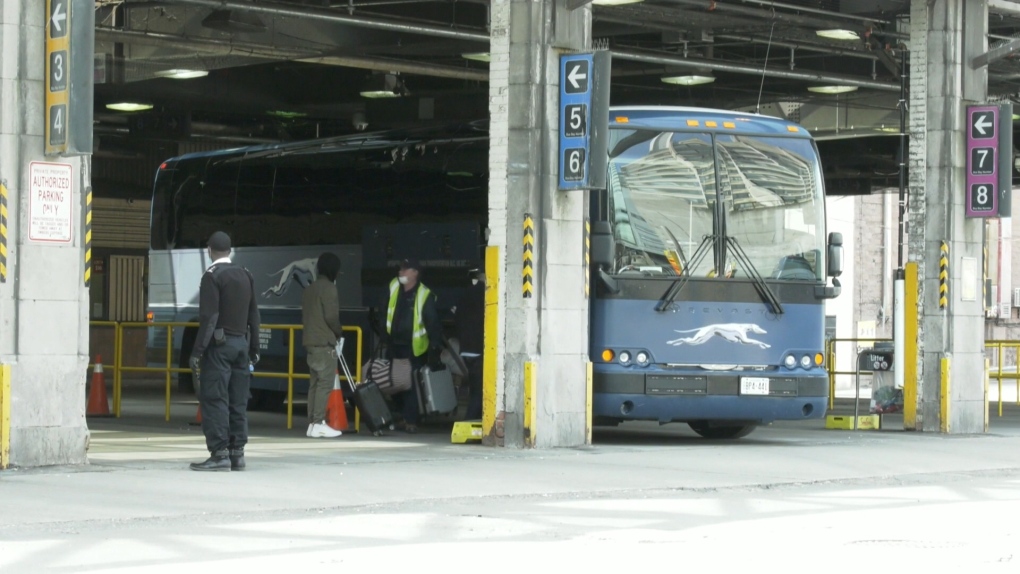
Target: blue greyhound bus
point(710, 266)
point(710, 259)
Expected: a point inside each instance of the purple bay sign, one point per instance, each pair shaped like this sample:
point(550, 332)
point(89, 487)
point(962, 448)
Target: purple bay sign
point(989, 160)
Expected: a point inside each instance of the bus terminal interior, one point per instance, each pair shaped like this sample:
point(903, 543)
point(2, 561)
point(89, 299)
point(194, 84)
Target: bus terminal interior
point(435, 130)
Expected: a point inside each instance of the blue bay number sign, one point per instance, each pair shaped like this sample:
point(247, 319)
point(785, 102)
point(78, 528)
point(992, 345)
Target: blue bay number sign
point(584, 117)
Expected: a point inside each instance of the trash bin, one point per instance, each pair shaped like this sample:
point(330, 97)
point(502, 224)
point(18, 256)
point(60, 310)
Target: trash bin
point(885, 397)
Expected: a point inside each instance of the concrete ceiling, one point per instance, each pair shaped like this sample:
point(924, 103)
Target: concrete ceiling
point(293, 69)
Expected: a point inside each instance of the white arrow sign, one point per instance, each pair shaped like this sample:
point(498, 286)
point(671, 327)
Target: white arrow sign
point(982, 122)
point(58, 18)
point(574, 76)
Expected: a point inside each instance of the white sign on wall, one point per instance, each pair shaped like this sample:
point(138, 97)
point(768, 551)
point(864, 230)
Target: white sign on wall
point(50, 207)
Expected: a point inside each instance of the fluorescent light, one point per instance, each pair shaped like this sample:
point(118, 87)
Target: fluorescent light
point(838, 34)
point(688, 79)
point(181, 74)
point(832, 89)
point(615, 2)
point(128, 107)
point(384, 86)
point(379, 94)
point(285, 114)
point(477, 56)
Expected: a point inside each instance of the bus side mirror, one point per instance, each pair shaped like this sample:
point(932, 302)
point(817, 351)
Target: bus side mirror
point(835, 258)
point(602, 247)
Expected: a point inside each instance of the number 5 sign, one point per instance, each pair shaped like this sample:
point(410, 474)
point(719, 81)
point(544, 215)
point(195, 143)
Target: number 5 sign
point(989, 160)
point(584, 118)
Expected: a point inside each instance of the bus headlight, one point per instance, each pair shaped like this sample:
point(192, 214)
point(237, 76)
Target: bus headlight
point(805, 361)
point(624, 357)
point(641, 358)
point(790, 361)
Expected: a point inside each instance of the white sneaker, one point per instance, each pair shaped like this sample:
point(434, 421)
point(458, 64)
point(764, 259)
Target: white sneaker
point(309, 431)
point(323, 430)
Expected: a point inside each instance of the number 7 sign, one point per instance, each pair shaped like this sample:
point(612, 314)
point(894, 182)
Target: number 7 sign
point(989, 160)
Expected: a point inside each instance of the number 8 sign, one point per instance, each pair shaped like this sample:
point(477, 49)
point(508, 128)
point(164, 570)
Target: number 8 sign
point(988, 172)
point(982, 198)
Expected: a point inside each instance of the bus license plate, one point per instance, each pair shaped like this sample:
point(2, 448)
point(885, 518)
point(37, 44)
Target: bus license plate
point(754, 386)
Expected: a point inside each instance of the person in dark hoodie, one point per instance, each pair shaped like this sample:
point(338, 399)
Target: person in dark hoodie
point(320, 317)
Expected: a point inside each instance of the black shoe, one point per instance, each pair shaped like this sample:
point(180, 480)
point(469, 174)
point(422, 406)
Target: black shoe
point(219, 461)
point(237, 459)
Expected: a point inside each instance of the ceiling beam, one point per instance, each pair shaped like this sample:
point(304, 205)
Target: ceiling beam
point(776, 72)
point(263, 51)
point(337, 17)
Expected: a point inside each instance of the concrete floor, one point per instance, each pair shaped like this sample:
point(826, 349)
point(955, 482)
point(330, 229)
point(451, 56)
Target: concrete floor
point(791, 495)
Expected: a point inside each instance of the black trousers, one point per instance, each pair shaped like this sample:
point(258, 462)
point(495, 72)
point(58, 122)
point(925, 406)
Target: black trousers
point(223, 392)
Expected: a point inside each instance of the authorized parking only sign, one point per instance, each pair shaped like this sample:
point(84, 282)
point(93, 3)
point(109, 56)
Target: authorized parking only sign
point(50, 207)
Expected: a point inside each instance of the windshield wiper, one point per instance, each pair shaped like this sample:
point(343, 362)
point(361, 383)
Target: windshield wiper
point(763, 289)
point(685, 272)
point(760, 285)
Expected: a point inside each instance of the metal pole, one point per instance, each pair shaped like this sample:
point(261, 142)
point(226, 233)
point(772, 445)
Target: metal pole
point(899, 313)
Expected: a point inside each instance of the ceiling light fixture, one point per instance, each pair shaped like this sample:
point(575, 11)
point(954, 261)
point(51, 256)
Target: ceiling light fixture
point(285, 114)
point(182, 74)
point(688, 79)
point(832, 89)
point(128, 107)
point(838, 34)
point(614, 2)
point(384, 86)
point(477, 56)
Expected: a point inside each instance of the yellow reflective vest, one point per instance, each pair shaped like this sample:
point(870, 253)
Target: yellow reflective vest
point(419, 336)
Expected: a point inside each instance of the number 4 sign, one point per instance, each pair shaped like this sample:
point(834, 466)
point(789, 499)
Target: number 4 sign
point(989, 159)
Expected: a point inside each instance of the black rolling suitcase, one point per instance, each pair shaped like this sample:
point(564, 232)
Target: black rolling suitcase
point(369, 400)
point(371, 403)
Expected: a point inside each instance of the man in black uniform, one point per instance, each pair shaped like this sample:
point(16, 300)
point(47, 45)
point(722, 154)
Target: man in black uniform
point(226, 347)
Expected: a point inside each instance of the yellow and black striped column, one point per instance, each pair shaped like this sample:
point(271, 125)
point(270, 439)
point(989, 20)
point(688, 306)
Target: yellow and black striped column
point(3, 231)
point(587, 256)
point(944, 276)
point(528, 270)
point(88, 235)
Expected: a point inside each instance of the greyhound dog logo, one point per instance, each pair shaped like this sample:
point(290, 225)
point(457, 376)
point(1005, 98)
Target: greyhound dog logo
point(732, 332)
point(301, 271)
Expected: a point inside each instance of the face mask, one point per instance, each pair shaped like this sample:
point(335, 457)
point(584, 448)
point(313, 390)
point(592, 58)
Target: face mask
point(402, 280)
point(474, 282)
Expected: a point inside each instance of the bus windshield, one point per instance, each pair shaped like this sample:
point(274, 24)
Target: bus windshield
point(663, 192)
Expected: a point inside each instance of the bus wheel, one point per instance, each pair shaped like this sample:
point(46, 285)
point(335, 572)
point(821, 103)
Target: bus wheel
point(185, 382)
point(721, 430)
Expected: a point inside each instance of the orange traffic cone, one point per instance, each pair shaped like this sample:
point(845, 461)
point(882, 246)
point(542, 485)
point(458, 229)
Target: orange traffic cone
point(198, 417)
point(336, 410)
point(98, 405)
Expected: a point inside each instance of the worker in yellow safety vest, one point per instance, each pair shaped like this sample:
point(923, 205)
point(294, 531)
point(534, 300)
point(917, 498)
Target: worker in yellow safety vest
point(414, 333)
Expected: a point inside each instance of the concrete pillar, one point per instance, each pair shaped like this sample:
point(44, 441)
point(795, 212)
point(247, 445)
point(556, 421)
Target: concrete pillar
point(549, 329)
point(43, 301)
point(945, 35)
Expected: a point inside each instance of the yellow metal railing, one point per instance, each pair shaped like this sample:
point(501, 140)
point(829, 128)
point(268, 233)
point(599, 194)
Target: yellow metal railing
point(168, 370)
point(830, 362)
point(999, 346)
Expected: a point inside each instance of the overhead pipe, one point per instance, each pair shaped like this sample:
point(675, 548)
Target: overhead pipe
point(819, 11)
point(651, 58)
point(287, 10)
